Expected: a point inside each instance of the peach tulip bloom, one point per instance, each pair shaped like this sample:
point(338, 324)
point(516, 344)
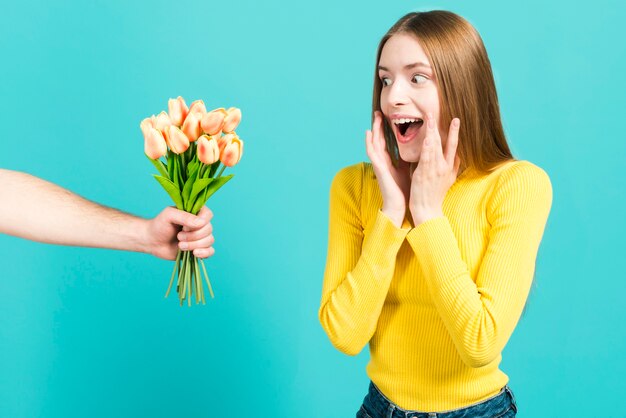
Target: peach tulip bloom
point(231, 120)
point(154, 144)
point(212, 122)
point(191, 126)
point(232, 152)
point(162, 121)
point(177, 140)
point(198, 107)
point(208, 150)
point(177, 110)
point(223, 140)
point(146, 124)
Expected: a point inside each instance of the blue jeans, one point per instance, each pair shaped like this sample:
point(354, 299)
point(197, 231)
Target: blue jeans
point(376, 405)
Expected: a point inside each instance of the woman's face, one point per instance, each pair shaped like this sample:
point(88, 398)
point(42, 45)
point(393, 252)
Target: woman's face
point(409, 93)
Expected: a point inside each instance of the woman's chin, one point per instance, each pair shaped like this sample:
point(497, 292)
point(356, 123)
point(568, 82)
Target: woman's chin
point(410, 156)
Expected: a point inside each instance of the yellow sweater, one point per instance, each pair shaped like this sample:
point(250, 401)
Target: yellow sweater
point(437, 302)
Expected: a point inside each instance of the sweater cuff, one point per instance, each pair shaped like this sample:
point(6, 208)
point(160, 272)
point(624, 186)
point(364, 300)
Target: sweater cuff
point(436, 249)
point(382, 241)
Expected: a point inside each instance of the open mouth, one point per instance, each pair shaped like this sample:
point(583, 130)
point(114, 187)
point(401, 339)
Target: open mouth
point(406, 129)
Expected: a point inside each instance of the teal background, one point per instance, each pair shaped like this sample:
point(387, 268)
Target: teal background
point(87, 332)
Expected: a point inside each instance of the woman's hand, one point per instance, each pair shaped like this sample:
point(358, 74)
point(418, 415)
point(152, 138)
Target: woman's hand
point(394, 183)
point(435, 173)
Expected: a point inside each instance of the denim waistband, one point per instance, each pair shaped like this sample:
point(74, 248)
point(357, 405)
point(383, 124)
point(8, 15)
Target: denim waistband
point(378, 403)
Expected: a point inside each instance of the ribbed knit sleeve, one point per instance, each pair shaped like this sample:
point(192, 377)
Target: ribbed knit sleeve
point(359, 266)
point(481, 313)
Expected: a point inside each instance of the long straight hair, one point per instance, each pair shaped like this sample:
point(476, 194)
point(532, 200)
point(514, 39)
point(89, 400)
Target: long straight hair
point(465, 84)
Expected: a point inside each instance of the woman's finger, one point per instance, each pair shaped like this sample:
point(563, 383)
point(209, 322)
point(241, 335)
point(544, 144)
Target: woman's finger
point(377, 130)
point(428, 154)
point(432, 131)
point(368, 143)
point(453, 141)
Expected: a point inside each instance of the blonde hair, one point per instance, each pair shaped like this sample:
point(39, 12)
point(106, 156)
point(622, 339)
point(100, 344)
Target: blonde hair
point(465, 84)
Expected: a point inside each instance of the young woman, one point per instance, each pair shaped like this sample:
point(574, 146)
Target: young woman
point(432, 246)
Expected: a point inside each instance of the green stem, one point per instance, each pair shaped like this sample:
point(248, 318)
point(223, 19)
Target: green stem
point(180, 268)
point(197, 279)
point(206, 276)
point(183, 273)
point(188, 278)
point(221, 171)
point(173, 273)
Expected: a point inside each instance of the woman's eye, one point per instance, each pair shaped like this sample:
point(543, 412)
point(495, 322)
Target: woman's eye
point(419, 79)
point(386, 81)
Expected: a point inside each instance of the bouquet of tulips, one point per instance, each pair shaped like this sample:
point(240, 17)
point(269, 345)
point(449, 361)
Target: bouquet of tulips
point(195, 144)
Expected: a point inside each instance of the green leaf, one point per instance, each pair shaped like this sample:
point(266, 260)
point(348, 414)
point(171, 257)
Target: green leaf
point(214, 168)
point(187, 188)
point(198, 187)
point(171, 189)
point(160, 167)
point(217, 183)
point(170, 164)
point(192, 167)
point(208, 192)
point(200, 202)
point(173, 169)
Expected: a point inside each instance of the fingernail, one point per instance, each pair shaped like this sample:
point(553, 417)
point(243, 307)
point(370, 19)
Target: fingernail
point(197, 222)
point(456, 122)
point(184, 245)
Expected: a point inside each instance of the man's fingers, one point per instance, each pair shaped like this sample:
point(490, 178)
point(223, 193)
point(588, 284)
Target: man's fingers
point(180, 217)
point(188, 221)
point(204, 252)
point(205, 213)
point(196, 234)
point(205, 242)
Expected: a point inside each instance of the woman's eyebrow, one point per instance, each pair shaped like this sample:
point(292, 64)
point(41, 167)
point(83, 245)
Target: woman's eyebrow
point(408, 66)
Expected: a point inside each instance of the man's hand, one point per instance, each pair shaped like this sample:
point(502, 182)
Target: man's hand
point(165, 236)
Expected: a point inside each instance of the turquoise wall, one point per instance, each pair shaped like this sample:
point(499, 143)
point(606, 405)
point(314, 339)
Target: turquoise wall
point(87, 332)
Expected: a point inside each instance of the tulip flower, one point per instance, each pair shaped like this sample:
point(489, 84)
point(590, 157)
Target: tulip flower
point(177, 140)
point(162, 121)
point(198, 107)
point(146, 124)
point(177, 110)
point(212, 122)
point(191, 173)
point(231, 120)
point(223, 140)
point(191, 126)
point(232, 151)
point(154, 144)
point(208, 150)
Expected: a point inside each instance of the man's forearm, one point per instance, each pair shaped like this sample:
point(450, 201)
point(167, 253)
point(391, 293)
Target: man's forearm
point(38, 210)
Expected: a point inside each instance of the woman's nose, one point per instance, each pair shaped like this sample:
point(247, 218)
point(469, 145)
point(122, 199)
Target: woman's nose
point(397, 94)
